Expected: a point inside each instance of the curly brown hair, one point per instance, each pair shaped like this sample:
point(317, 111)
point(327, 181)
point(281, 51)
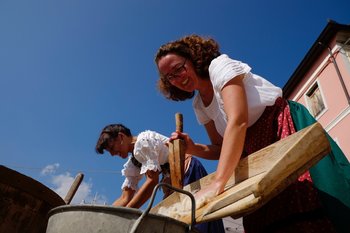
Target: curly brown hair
point(199, 50)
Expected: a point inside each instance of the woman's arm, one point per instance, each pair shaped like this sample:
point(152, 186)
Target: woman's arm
point(211, 152)
point(236, 109)
point(145, 191)
point(235, 106)
point(125, 197)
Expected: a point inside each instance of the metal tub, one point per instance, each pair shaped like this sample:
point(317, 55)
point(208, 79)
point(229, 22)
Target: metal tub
point(109, 219)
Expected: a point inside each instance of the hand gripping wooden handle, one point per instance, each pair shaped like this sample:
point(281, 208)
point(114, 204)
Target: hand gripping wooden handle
point(177, 156)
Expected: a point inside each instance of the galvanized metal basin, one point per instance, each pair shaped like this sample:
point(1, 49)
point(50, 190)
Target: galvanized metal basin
point(108, 219)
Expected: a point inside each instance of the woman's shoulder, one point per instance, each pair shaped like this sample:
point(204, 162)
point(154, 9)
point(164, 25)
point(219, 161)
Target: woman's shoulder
point(223, 68)
point(148, 147)
point(149, 134)
point(223, 60)
point(150, 138)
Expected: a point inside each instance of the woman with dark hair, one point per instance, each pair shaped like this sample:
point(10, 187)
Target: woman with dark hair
point(242, 113)
point(147, 155)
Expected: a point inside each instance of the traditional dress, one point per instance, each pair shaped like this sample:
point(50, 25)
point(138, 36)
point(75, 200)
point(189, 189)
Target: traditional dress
point(300, 208)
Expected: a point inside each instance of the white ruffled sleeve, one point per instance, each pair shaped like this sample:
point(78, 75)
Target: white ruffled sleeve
point(222, 69)
point(132, 175)
point(149, 149)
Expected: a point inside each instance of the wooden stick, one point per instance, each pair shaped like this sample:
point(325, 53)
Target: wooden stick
point(179, 122)
point(177, 156)
point(73, 189)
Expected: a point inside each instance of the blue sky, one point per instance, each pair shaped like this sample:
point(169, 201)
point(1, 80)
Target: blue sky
point(69, 67)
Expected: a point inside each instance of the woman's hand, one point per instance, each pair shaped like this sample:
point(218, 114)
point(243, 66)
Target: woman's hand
point(205, 195)
point(190, 145)
point(211, 152)
point(208, 193)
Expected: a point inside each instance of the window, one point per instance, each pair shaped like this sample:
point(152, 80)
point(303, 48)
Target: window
point(347, 52)
point(315, 100)
point(345, 48)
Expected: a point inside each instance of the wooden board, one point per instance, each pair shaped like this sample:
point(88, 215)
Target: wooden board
point(177, 162)
point(260, 176)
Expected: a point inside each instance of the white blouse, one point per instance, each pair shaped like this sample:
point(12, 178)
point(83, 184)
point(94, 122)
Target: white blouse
point(150, 150)
point(260, 92)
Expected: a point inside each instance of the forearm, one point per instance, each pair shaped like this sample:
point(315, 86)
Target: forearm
point(210, 152)
point(230, 153)
point(120, 202)
point(145, 192)
point(125, 197)
point(140, 198)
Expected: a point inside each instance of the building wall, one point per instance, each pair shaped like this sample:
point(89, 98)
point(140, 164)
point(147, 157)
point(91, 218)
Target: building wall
point(335, 117)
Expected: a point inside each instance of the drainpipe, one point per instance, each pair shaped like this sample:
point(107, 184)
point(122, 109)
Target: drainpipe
point(337, 70)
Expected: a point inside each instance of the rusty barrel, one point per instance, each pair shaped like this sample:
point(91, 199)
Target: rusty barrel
point(24, 203)
point(109, 219)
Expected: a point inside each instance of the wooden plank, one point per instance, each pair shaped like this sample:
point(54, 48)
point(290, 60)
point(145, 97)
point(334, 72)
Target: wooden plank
point(177, 156)
point(248, 167)
point(260, 176)
point(250, 203)
point(231, 195)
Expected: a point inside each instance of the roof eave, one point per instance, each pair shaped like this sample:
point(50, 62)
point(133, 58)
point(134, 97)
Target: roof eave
point(326, 36)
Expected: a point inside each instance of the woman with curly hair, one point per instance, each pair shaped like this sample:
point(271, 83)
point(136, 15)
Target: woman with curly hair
point(242, 113)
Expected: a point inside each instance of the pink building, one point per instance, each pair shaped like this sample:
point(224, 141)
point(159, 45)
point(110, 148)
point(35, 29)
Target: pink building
point(321, 82)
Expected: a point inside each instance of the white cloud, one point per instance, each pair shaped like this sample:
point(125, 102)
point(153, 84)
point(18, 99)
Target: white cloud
point(63, 182)
point(50, 169)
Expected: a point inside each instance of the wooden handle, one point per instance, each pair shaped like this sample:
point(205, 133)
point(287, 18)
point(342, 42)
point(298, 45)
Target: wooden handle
point(73, 189)
point(177, 156)
point(179, 122)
